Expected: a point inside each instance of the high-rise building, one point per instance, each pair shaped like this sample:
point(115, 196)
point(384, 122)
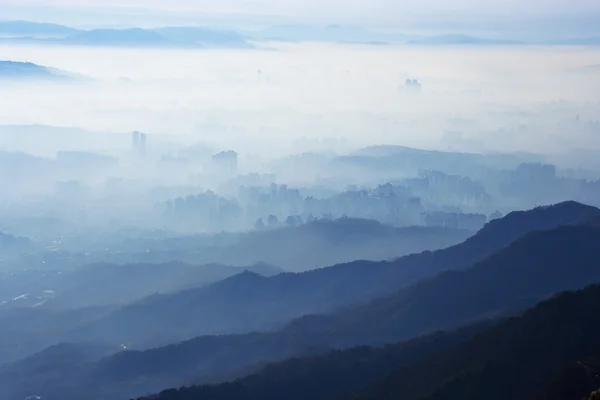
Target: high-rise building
point(142, 145)
point(138, 142)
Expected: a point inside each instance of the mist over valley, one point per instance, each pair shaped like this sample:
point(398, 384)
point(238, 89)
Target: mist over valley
point(303, 201)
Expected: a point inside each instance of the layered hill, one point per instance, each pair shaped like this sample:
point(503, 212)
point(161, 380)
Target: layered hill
point(111, 284)
point(511, 360)
point(249, 302)
point(575, 381)
point(301, 248)
point(517, 276)
point(517, 358)
point(32, 317)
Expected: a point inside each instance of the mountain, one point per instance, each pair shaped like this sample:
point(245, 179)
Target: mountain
point(574, 381)
point(325, 243)
point(204, 37)
point(34, 29)
point(458, 39)
point(110, 284)
point(299, 248)
point(331, 33)
point(383, 157)
point(249, 302)
point(14, 70)
point(10, 244)
point(579, 41)
point(516, 358)
point(530, 269)
point(326, 376)
point(120, 37)
point(69, 355)
point(511, 360)
point(512, 279)
point(26, 331)
point(37, 311)
point(185, 37)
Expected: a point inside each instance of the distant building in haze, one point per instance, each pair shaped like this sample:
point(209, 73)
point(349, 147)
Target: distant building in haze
point(138, 142)
point(412, 85)
point(225, 162)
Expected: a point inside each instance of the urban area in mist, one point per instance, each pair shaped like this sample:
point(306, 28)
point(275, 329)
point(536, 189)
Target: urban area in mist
point(299, 200)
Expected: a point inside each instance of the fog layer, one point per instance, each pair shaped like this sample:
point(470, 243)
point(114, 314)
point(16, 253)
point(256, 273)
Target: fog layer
point(284, 91)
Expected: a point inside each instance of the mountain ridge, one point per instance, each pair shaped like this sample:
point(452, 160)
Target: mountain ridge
point(565, 255)
point(26, 70)
point(269, 303)
point(496, 355)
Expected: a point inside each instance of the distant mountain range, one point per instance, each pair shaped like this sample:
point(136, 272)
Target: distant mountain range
point(26, 304)
point(15, 70)
point(382, 157)
point(508, 266)
point(179, 37)
point(118, 37)
point(111, 284)
point(309, 246)
point(511, 280)
point(331, 33)
point(198, 37)
point(270, 302)
point(462, 40)
point(35, 29)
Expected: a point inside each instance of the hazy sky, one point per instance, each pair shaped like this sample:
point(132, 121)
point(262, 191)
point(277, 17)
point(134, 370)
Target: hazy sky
point(357, 11)
point(268, 6)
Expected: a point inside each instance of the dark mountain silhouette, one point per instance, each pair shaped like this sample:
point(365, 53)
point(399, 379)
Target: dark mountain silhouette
point(511, 360)
point(574, 382)
point(325, 376)
point(499, 233)
point(532, 268)
point(516, 359)
point(265, 303)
